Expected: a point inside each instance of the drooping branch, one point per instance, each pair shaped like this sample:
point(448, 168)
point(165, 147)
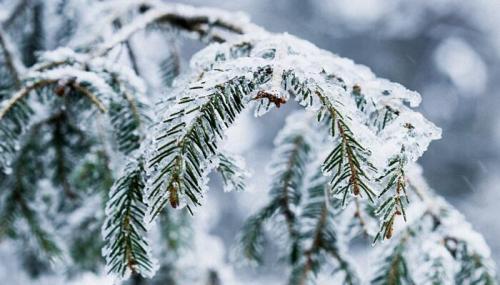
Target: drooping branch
point(187, 140)
point(91, 96)
point(395, 204)
point(451, 242)
point(23, 92)
point(127, 249)
point(319, 213)
point(346, 157)
point(26, 90)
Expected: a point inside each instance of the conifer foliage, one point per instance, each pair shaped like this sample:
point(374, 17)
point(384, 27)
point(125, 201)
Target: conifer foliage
point(82, 147)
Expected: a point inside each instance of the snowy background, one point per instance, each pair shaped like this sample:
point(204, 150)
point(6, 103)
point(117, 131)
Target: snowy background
point(447, 50)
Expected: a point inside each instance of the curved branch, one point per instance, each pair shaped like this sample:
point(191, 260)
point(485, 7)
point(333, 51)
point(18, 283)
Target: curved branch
point(91, 96)
point(23, 92)
point(186, 18)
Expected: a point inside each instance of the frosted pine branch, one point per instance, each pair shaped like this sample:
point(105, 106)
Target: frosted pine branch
point(343, 165)
point(127, 250)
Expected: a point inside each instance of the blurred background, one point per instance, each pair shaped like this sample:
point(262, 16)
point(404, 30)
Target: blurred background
point(447, 50)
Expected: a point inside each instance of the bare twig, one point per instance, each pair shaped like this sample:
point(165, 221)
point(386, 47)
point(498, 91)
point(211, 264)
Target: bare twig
point(91, 96)
point(130, 51)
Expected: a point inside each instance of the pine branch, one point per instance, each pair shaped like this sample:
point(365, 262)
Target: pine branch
point(286, 189)
point(393, 270)
point(395, 204)
point(319, 213)
point(345, 162)
point(15, 113)
point(125, 125)
point(438, 221)
point(346, 158)
point(187, 139)
point(170, 68)
point(474, 267)
point(19, 190)
point(251, 238)
point(14, 117)
point(128, 116)
point(19, 95)
point(126, 248)
point(289, 163)
point(232, 170)
point(366, 119)
point(67, 142)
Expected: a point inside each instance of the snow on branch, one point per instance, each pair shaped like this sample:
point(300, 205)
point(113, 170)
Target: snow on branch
point(323, 83)
point(202, 22)
point(187, 138)
point(301, 205)
point(437, 246)
point(116, 92)
point(356, 139)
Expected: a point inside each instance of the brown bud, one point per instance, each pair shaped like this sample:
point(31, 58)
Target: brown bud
point(355, 190)
point(409, 126)
point(356, 89)
point(389, 232)
point(174, 196)
point(64, 85)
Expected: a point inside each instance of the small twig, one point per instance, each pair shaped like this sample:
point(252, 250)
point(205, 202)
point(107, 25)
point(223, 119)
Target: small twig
point(91, 96)
point(132, 57)
point(353, 179)
point(22, 93)
point(130, 51)
point(278, 101)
